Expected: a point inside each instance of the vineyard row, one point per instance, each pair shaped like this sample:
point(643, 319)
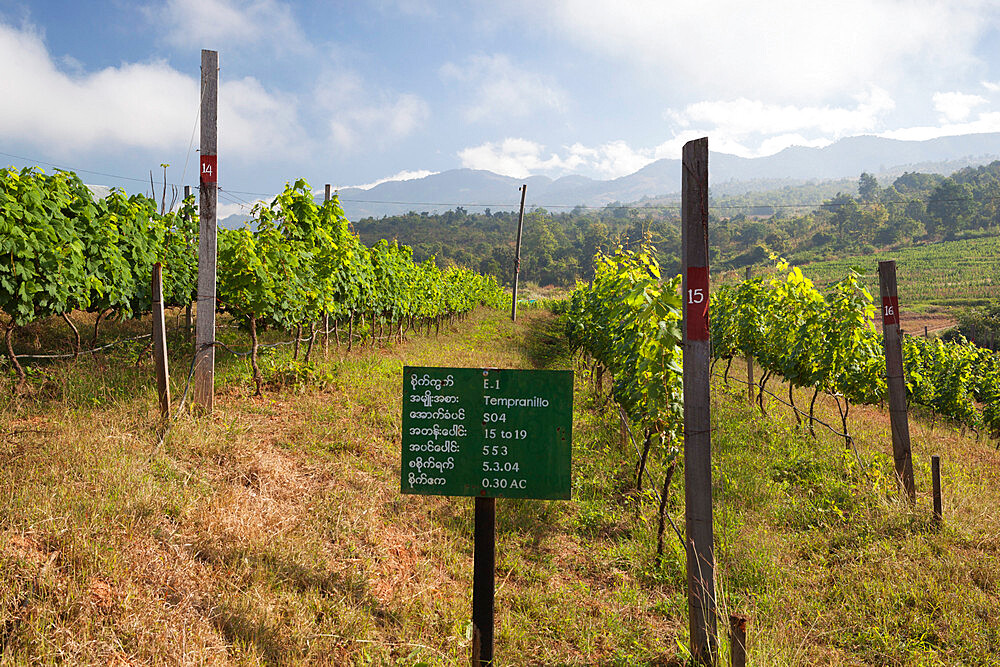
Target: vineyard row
point(298, 262)
point(628, 320)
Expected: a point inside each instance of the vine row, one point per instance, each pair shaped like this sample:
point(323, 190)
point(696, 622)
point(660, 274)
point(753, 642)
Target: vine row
point(295, 263)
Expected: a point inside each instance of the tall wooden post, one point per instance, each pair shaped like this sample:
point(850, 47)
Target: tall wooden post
point(483, 580)
point(750, 383)
point(204, 373)
point(697, 405)
point(896, 380)
point(160, 343)
point(517, 254)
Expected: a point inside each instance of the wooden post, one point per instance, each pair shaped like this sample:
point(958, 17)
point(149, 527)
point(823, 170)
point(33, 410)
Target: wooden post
point(326, 312)
point(737, 640)
point(697, 405)
point(187, 307)
point(160, 343)
point(925, 332)
point(517, 254)
point(483, 581)
point(750, 384)
point(204, 373)
point(895, 378)
point(936, 485)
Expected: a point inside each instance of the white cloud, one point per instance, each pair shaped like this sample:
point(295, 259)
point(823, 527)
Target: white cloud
point(359, 116)
point(351, 128)
point(405, 175)
point(502, 90)
point(616, 158)
point(517, 158)
point(232, 24)
point(986, 122)
point(145, 106)
point(752, 128)
point(520, 158)
point(956, 107)
point(742, 116)
point(255, 122)
point(780, 49)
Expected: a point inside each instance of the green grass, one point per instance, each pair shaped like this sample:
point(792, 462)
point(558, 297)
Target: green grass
point(274, 532)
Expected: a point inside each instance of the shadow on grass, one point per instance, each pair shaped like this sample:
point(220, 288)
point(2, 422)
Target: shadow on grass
point(544, 343)
point(304, 578)
point(237, 626)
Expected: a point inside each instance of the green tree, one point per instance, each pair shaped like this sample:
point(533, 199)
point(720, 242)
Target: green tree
point(868, 188)
point(949, 204)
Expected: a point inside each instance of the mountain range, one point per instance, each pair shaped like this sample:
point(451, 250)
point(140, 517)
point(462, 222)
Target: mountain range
point(476, 190)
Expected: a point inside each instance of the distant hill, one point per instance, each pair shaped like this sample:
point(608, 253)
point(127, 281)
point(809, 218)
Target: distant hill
point(476, 190)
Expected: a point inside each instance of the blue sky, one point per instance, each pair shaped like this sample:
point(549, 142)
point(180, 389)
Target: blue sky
point(352, 93)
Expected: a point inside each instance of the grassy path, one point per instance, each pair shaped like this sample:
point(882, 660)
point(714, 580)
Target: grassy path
point(275, 532)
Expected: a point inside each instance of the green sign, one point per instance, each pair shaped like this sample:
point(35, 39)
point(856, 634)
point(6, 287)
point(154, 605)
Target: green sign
point(487, 432)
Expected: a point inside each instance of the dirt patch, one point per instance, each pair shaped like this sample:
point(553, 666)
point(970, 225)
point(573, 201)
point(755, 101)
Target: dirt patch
point(936, 323)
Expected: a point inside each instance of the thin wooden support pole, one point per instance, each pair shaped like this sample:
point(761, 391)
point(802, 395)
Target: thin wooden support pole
point(738, 640)
point(936, 485)
point(517, 254)
point(187, 307)
point(750, 384)
point(326, 312)
point(160, 343)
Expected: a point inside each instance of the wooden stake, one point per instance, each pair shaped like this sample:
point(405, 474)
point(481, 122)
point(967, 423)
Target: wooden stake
point(750, 384)
point(517, 254)
point(895, 378)
point(738, 640)
point(326, 313)
point(483, 581)
point(160, 343)
point(187, 307)
point(204, 372)
point(697, 405)
point(936, 485)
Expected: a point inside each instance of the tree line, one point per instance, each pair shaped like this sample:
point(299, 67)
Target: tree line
point(802, 222)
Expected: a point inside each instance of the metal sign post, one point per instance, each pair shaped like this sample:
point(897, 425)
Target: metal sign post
point(488, 433)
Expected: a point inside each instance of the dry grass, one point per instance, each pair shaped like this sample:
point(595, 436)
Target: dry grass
point(274, 532)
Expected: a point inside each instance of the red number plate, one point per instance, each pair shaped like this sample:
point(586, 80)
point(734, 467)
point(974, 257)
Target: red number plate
point(209, 168)
point(696, 303)
point(890, 310)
